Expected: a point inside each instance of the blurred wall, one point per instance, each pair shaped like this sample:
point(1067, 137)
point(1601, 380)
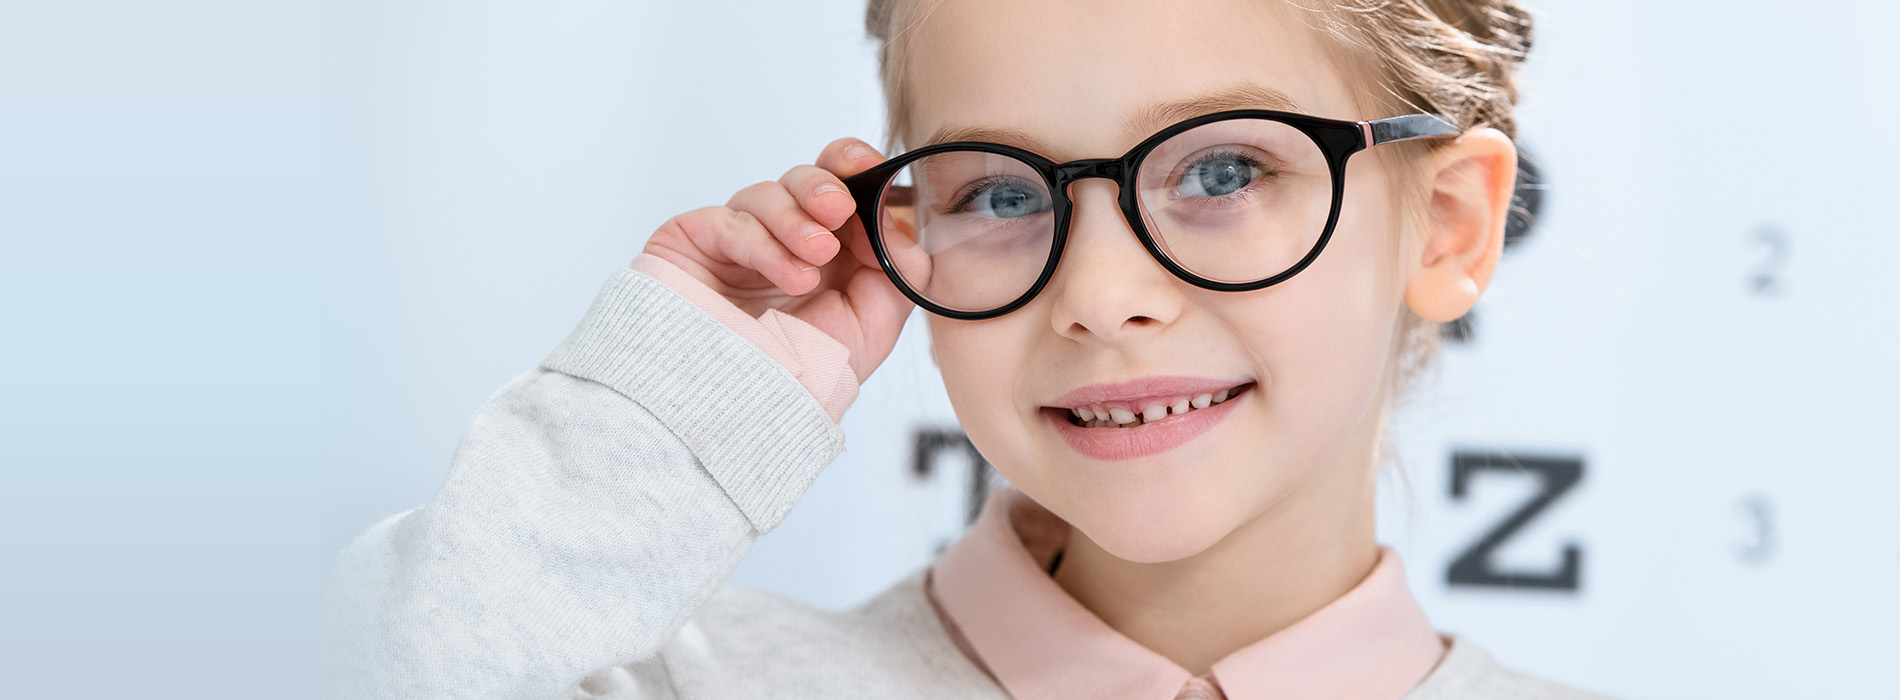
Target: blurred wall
point(160, 356)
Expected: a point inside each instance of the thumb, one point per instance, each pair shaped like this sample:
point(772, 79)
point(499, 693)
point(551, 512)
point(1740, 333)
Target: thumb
point(881, 310)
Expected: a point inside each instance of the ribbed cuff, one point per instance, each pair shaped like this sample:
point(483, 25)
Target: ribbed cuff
point(756, 430)
point(819, 361)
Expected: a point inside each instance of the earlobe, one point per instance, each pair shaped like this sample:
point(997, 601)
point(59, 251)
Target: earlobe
point(1473, 181)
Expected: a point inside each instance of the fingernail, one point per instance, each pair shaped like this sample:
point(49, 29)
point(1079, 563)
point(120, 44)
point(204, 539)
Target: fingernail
point(828, 187)
point(812, 229)
point(857, 150)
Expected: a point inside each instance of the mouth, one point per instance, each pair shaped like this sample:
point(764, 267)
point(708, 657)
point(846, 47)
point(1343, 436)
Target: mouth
point(1114, 430)
point(1091, 409)
point(1139, 412)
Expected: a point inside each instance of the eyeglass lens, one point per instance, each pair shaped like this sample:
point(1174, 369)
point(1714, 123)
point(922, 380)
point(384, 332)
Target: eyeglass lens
point(1234, 201)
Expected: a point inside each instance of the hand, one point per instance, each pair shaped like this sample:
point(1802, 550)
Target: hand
point(776, 245)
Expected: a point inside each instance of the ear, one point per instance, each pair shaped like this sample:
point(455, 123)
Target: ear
point(1473, 180)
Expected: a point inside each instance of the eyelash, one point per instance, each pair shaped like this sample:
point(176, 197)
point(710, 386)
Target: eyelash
point(1265, 172)
point(969, 192)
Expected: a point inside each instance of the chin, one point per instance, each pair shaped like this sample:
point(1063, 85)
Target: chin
point(1150, 527)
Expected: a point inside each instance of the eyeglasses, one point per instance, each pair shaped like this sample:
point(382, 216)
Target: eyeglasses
point(1231, 201)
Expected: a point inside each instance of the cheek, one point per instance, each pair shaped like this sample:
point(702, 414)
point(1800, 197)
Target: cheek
point(982, 365)
point(985, 365)
point(1326, 338)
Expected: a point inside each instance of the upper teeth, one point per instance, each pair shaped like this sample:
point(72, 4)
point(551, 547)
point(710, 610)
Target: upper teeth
point(1097, 416)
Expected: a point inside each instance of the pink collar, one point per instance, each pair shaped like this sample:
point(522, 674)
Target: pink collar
point(1373, 643)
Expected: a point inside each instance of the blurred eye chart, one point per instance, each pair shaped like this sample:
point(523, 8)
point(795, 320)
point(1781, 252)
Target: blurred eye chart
point(1658, 459)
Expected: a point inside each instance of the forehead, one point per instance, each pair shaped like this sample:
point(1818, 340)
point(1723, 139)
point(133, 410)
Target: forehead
point(1083, 78)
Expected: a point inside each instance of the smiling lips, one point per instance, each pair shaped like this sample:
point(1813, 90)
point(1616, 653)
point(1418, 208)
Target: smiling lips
point(1146, 400)
point(1113, 422)
point(1124, 415)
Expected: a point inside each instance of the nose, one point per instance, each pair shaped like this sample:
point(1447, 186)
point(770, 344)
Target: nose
point(1107, 288)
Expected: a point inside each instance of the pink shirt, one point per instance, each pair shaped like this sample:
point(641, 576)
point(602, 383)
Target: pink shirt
point(1000, 606)
point(1373, 643)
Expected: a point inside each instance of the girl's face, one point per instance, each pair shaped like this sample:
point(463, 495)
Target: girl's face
point(1084, 80)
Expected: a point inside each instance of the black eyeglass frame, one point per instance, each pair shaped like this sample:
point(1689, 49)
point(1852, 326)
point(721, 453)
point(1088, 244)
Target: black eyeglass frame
point(1337, 139)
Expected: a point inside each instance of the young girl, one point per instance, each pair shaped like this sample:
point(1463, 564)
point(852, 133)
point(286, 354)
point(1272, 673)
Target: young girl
point(1260, 209)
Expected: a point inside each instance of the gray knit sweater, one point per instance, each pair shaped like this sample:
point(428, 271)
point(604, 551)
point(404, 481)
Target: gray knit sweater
point(592, 513)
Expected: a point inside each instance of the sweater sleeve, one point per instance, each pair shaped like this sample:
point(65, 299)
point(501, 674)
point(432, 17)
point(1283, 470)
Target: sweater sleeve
point(592, 506)
point(821, 363)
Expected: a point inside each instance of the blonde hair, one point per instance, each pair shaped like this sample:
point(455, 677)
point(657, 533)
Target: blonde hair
point(1455, 58)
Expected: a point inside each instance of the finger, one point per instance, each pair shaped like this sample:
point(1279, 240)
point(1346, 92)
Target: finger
point(900, 246)
point(858, 243)
point(881, 311)
point(739, 237)
point(788, 222)
point(821, 194)
point(848, 156)
point(903, 249)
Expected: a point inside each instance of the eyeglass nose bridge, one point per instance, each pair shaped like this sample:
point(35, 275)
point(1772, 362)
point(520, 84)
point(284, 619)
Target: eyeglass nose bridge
point(1106, 168)
point(1113, 170)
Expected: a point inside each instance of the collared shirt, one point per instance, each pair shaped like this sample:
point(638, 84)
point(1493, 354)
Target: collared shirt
point(1039, 643)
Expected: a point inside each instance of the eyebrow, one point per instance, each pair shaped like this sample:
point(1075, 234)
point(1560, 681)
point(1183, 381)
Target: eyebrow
point(1003, 135)
point(1139, 124)
point(1241, 96)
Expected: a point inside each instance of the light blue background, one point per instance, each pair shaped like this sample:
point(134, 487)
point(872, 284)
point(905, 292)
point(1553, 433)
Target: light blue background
point(161, 356)
point(260, 262)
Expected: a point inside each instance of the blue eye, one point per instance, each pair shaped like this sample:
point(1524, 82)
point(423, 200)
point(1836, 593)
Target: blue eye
point(1218, 175)
point(1006, 199)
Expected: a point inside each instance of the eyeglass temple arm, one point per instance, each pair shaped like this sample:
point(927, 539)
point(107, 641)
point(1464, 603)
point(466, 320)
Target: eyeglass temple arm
point(1405, 128)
